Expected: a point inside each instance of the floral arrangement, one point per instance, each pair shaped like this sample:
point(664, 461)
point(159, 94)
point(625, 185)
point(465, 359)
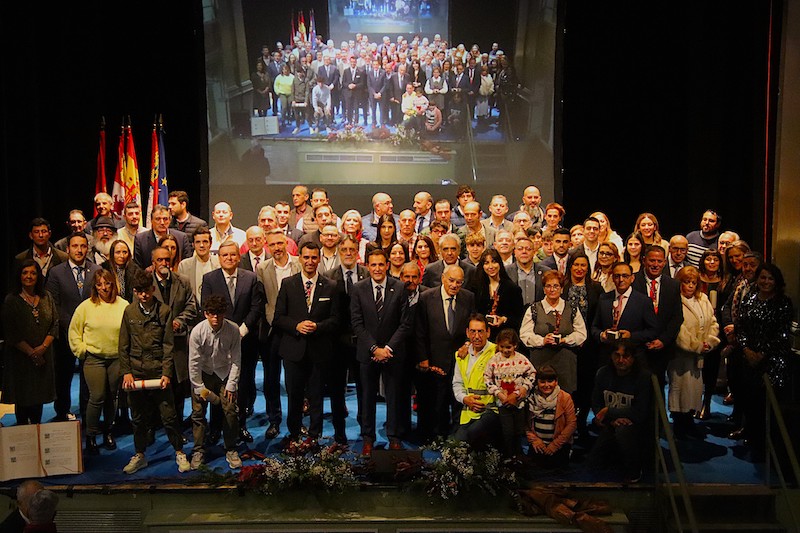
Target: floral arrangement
point(325, 469)
point(402, 137)
point(461, 469)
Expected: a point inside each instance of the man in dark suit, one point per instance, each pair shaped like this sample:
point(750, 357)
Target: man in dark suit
point(307, 315)
point(379, 314)
point(561, 244)
point(274, 69)
point(441, 320)
point(144, 243)
point(376, 87)
point(16, 521)
point(69, 283)
point(411, 277)
point(395, 87)
point(347, 274)
point(473, 76)
point(246, 301)
point(330, 75)
point(665, 293)
point(449, 249)
point(256, 251)
point(623, 314)
point(525, 273)
point(354, 85)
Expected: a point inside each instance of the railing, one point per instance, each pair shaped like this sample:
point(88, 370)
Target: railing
point(662, 425)
point(773, 410)
point(473, 158)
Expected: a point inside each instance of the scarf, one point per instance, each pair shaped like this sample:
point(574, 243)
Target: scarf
point(541, 403)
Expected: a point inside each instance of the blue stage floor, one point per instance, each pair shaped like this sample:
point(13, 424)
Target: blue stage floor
point(715, 460)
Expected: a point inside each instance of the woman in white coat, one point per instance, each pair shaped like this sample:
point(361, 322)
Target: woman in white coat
point(698, 335)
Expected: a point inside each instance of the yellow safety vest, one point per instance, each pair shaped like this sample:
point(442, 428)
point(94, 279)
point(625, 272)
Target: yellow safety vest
point(474, 382)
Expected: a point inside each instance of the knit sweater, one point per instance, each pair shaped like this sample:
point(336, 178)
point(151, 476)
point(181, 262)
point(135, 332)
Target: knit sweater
point(94, 328)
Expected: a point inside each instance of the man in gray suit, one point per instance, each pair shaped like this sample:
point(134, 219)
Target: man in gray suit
point(271, 273)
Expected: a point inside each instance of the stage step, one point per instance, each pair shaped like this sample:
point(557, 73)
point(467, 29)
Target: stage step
point(721, 508)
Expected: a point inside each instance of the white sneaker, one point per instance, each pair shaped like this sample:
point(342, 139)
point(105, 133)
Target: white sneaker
point(136, 463)
point(197, 460)
point(234, 461)
point(295, 131)
point(182, 462)
point(312, 131)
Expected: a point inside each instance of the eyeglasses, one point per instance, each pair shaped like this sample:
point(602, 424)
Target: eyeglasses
point(605, 254)
point(552, 287)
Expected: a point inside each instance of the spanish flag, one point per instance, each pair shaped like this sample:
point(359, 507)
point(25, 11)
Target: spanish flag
point(132, 191)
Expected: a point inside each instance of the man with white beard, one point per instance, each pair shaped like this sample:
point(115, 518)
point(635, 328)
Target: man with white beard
point(104, 233)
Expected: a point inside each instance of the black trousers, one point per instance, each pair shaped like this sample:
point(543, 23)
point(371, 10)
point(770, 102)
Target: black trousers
point(304, 378)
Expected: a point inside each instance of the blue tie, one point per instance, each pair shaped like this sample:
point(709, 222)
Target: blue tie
point(79, 278)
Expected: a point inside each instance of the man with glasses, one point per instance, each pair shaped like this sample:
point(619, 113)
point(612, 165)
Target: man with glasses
point(678, 247)
point(623, 314)
point(705, 238)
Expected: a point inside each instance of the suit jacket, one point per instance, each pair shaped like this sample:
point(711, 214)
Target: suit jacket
point(182, 302)
point(488, 233)
point(433, 273)
point(56, 257)
point(670, 306)
point(145, 243)
point(291, 309)
point(376, 84)
point(336, 274)
point(331, 75)
point(188, 268)
point(397, 86)
point(538, 269)
point(294, 233)
point(62, 287)
point(369, 231)
point(247, 264)
point(268, 278)
point(638, 317)
point(360, 80)
point(434, 341)
point(550, 262)
point(249, 297)
point(390, 328)
point(510, 304)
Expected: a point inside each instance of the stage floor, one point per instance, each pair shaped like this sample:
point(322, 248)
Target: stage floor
point(715, 460)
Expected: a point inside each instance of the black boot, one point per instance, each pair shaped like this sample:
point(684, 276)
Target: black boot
point(108, 441)
point(679, 425)
point(91, 446)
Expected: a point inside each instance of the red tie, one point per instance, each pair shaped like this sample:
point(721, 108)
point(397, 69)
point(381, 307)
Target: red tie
point(653, 295)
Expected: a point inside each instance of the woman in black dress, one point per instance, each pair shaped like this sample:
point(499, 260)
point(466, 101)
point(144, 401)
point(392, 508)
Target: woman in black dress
point(30, 320)
point(496, 296)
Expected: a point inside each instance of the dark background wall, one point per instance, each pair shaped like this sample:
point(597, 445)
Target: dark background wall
point(664, 107)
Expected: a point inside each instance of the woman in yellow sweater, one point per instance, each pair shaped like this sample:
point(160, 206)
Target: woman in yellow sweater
point(94, 338)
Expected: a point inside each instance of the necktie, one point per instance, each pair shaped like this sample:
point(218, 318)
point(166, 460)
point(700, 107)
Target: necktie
point(258, 259)
point(349, 284)
point(378, 300)
point(617, 311)
point(419, 225)
point(562, 265)
point(451, 315)
point(79, 278)
point(308, 293)
point(232, 287)
point(653, 295)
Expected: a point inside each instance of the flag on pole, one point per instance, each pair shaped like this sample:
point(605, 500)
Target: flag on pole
point(312, 34)
point(100, 181)
point(132, 190)
point(301, 27)
point(158, 173)
point(118, 191)
point(294, 34)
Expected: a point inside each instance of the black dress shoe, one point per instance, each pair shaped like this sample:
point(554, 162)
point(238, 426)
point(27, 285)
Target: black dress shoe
point(245, 435)
point(108, 442)
point(91, 446)
point(272, 431)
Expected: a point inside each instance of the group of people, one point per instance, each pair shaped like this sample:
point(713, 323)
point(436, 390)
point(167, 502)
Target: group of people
point(423, 84)
point(500, 327)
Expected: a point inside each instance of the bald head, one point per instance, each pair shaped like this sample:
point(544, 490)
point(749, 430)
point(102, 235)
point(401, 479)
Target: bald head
point(381, 203)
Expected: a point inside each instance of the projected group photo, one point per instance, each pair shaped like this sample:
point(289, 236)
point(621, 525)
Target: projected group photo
point(386, 16)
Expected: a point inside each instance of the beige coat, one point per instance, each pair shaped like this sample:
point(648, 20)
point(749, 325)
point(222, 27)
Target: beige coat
point(699, 325)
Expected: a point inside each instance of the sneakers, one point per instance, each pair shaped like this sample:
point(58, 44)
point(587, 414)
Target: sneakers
point(198, 459)
point(182, 462)
point(233, 459)
point(136, 463)
point(295, 131)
